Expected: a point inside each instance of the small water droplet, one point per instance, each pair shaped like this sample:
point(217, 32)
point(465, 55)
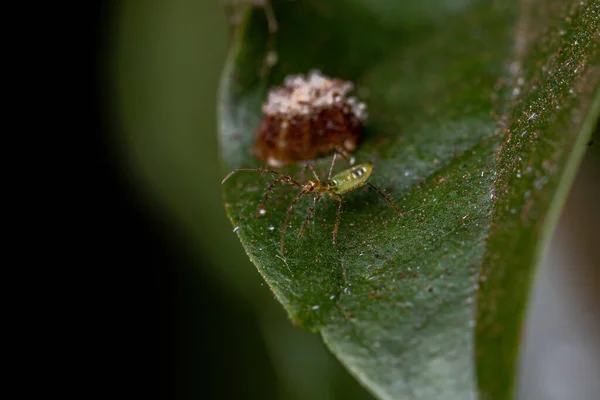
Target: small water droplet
point(262, 211)
point(347, 290)
point(271, 58)
point(315, 307)
point(236, 228)
point(332, 297)
point(271, 227)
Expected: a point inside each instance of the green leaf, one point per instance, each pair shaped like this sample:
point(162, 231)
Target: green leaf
point(479, 115)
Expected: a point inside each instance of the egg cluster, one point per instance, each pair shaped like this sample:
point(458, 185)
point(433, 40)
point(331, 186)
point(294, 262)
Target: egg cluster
point(308, 117)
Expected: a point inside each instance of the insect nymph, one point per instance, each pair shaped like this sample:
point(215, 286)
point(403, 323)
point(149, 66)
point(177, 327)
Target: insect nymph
point(343, 182)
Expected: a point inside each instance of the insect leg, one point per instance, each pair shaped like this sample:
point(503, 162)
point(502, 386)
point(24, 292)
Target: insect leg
point(284, 178)
point(332, 162)
point(386, 198)
point(287, 218)
point(242, 169)
point(269, 190)
point(303, 172)
point(311, 210)
point(342, 153)
point(337, 220)
point(345, 155)
point(312, 169)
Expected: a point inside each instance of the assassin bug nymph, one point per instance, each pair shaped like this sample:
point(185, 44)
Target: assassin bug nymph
point(345, 181)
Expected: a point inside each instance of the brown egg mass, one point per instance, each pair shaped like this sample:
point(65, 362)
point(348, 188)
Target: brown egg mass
point(308, 117)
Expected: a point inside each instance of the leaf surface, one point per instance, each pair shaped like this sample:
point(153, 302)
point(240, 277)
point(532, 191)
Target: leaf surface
point(479, 115)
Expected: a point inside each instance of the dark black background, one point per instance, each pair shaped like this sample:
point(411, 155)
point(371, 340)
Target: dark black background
point(164, 328)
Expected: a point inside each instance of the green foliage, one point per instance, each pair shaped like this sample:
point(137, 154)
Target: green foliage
point(479, 115)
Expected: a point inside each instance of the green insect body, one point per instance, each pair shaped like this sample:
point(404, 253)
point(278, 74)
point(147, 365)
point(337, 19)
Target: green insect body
point(349, 179)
